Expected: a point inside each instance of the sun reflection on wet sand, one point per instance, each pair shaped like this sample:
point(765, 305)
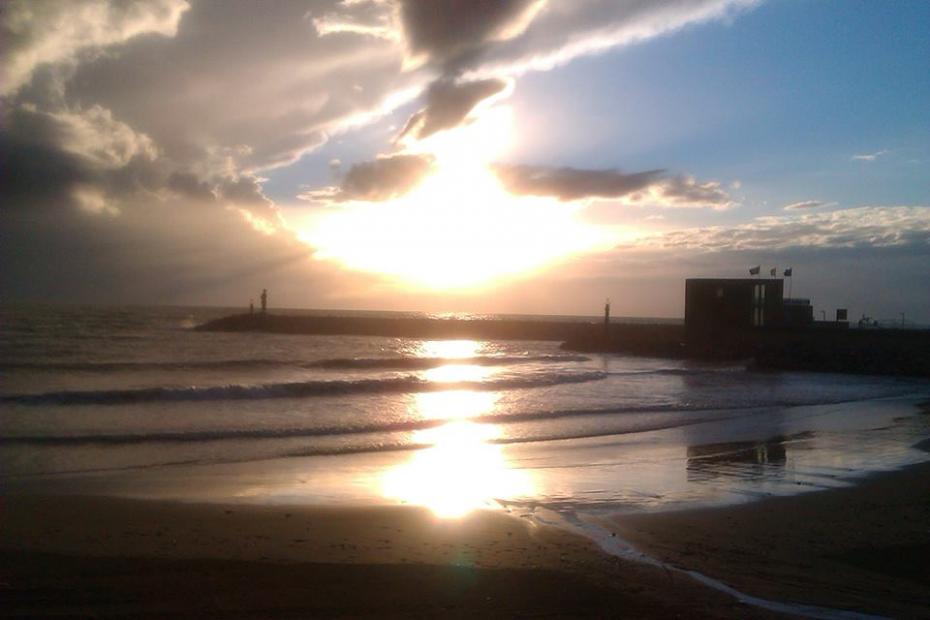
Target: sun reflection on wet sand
point(460, 473)
point(461, 470)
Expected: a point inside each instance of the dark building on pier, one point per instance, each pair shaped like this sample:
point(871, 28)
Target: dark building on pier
point(798, 312)
point(733, 303)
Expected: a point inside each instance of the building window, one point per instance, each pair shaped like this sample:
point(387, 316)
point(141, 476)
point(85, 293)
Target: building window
point(758, 305)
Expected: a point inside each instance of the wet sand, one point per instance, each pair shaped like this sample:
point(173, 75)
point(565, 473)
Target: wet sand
point(100, 557)
point(864, 548)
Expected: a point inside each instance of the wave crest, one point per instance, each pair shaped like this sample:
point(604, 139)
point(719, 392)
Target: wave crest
point(298, 389)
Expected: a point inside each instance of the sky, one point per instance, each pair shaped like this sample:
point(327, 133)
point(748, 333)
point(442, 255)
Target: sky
point(516, 156)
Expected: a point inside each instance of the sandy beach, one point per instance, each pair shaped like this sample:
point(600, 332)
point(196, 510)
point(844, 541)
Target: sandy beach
point(102, 557)
point(860, 548)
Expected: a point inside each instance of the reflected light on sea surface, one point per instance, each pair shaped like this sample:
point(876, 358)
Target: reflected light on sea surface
point(453, 350)
point(452, 373)
point(448, 349)
point(459, 473)
point(461, 470)
point(454, 404)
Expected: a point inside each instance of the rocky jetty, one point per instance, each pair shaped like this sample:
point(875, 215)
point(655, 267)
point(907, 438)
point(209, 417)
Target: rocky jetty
point(897, 352)
point(822, 349)
point(489, 329)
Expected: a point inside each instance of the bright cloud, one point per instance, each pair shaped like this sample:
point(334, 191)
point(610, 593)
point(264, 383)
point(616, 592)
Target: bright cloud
point(137, 134)
point(844, 228)
point(870, 156)
point(807, 204)
point(55, 31)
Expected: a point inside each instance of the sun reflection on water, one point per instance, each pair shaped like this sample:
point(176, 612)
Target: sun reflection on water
point(460, 473)
point(449, 349)
point(462, 470)
point(454, 404)
point(452, 373)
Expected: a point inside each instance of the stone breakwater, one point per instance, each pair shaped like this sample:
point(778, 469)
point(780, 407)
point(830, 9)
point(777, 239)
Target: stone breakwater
point(858, 351)
point(854, 351)
point(486, 329)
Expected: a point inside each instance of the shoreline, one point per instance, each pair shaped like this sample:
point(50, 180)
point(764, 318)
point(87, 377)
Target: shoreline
point(104, 556)
point(860, 548)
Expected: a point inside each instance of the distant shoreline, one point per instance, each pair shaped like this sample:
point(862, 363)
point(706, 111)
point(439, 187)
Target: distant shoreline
point(898, 352)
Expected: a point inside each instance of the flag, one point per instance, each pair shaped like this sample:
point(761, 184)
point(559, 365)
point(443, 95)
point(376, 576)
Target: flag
point(754, 271)
point(773, 271)
point(788, 272)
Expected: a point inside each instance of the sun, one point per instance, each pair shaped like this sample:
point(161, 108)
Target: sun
point(459, 229)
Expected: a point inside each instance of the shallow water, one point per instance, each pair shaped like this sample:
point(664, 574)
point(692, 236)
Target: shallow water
point(131, 401)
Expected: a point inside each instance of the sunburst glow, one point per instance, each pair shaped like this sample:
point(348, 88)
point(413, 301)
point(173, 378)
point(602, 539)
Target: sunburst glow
point(459, 228)
point(461, 472)
point(463, 469)
point(448, 349)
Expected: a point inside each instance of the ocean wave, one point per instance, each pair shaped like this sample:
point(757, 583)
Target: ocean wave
point(362, 429)
point(680, 372)
point(352, 363)
point(297, 389)
point(418, 363)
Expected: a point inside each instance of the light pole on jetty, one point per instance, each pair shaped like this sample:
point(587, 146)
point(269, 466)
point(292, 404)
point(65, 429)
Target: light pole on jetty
point(607, 317)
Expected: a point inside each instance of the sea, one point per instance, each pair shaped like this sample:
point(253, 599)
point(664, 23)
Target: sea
point(132, 401)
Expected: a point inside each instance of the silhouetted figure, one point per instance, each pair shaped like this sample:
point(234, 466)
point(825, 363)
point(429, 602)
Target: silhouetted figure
point(251, 307)
point(264, 300)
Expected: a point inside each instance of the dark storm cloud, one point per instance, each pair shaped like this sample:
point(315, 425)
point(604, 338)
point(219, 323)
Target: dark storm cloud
point(572, 183)
point(37, 175)
point(448, 105)
point(160, 251)
point(221, 96)
point(37, 33)
point(450, 33)
point(378, 180)
point(244, 191)
point(187, 185)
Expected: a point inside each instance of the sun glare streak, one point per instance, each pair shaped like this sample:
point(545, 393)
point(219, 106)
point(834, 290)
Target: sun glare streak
point(452, 373)
point(462, 470)
point(460, 473)
point(454, 404)
point(448, 349)
point(459, 229)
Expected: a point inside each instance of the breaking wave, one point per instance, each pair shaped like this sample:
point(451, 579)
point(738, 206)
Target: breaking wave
point(370, 363)
point(359, 429)
point(297, 389)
